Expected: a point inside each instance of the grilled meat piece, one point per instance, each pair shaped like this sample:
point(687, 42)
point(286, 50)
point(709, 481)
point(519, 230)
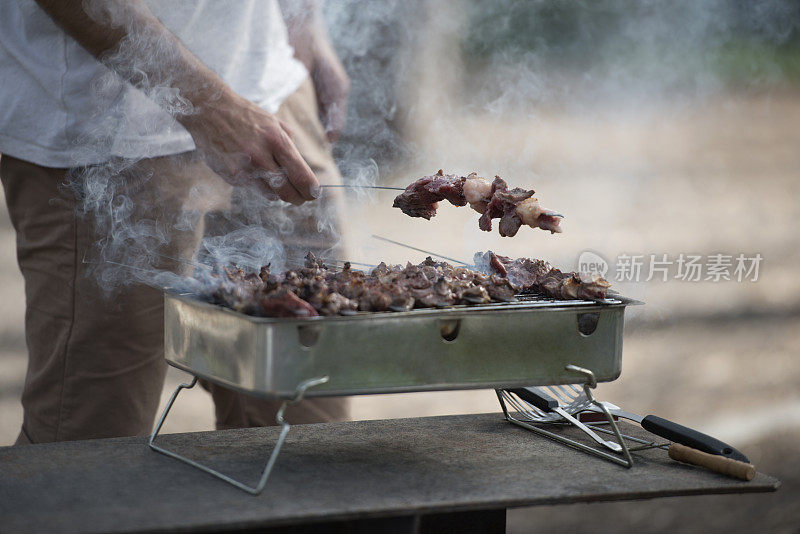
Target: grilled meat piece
point(514, 207)
point(523, 273)
point(316, 291)
point(503, 206)
point(421, 198)
point(532, 214)
point(478, 192)
point(537, 276)
point(474, 295)
point(499, 289)
point(284, 303)
point(336, 304)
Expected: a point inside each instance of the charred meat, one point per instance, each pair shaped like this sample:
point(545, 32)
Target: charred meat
point(316, 289)
point(514, 207)
point(421, 198)
point(538, 277)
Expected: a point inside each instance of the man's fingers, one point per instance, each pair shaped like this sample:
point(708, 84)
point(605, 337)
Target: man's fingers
point(286, 128)
point(261, 178)
point(333, 87)
point(295, 183)
point(333, 127)
point(280, 184)
point(334, 117)
point(269, 174)
point(298, 172)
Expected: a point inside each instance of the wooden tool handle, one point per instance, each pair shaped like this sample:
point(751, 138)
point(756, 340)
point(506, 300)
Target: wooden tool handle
point(718, 464)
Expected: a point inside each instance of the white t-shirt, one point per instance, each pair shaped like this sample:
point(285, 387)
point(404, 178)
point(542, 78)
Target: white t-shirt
point(53, 111)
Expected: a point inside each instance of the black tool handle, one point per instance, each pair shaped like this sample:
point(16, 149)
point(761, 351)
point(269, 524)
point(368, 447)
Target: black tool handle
point(691, 438)
point(540, 400)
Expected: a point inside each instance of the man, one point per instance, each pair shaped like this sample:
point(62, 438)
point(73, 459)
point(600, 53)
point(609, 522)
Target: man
point(122, 124)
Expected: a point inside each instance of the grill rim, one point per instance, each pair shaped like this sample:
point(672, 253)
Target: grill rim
point(525, 304)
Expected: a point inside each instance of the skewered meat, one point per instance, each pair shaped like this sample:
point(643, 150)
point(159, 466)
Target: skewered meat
point(514, 207)
point(317, 290)
point(421, 198)
point(537, 276)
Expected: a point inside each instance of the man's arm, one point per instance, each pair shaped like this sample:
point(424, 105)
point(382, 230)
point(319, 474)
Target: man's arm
point(312, 46)
point(235, 136)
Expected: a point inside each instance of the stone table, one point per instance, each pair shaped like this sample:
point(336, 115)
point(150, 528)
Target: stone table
point(432, 474)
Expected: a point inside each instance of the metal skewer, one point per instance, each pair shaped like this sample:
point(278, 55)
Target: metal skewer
point(420, 250)
point(349, 186)
point(371, 266)
point(365, 187)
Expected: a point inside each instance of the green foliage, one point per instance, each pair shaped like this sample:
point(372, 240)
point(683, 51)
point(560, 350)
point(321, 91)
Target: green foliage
point(737, 41)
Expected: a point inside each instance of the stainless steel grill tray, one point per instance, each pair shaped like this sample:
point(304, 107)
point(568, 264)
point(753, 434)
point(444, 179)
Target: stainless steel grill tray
point(464, 347)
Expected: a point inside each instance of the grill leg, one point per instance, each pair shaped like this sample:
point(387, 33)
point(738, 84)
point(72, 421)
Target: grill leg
point(253, 490)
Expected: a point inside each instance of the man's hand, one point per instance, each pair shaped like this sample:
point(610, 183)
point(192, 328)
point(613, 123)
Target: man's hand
point(241, 141)
point(313, 47)
point(333, 87)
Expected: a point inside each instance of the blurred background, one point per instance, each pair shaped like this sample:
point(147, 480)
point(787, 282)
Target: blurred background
point(658, 128)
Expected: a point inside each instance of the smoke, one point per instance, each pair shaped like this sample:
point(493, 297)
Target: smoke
point(527, 89)
point(159, 220)
point(376, 42)
point(420, 71)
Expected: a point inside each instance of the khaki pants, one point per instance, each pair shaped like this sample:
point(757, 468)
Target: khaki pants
point(96, 366)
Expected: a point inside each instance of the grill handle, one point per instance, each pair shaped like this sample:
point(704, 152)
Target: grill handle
point(691, 438)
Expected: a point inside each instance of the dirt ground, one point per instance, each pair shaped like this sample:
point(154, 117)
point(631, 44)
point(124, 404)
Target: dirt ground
point(716, 177)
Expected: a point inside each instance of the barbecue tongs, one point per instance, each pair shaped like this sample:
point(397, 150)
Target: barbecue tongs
point(656, 425)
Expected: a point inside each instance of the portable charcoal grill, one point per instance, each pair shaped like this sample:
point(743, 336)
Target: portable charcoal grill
point(532, 341)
